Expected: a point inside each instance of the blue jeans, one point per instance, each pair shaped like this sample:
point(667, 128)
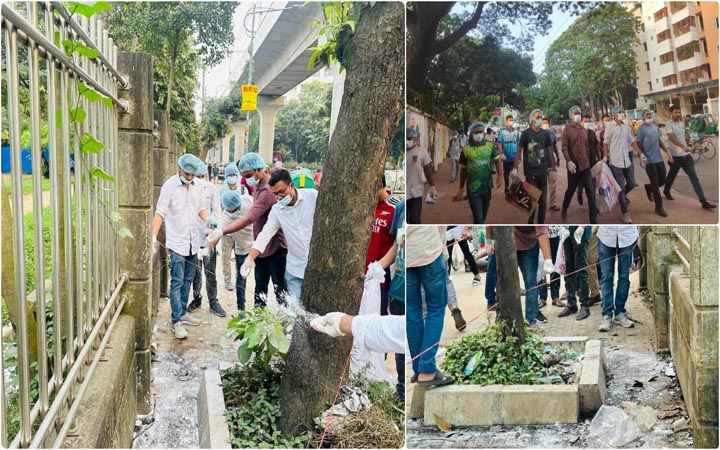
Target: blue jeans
point(624, 178)
point(528, 262)
point(425, 334)
point(479, 206)
point(272, 266)
point(239, 282)
point(687, 164)
point(182, 272)
point(294, 285)
point(624, 259)
point(491, 282)
point(554, 277)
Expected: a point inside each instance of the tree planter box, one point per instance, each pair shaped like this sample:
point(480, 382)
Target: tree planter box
point(213, 429)
point(464, 405)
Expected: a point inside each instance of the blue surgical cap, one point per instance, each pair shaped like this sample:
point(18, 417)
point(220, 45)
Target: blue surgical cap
point(617, 109)
point(189, 163)
point(202, 168)
point(532, 115)
point(231, 200)
point(411, 132)
point(573, 108)
point(251, 161)
point(231, 169)
point(646, 111)
point(476, 125)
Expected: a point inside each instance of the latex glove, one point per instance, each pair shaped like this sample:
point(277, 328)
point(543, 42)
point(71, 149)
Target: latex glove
point(503, 157)
point(513, 175)
point(643, 160)
point(572, 168)
point(154, 246)
point(548, 266)
point(564, 233)
point(604, 159)
point(433, 192)
point(214, 237)
point(578, 234)
point(375, 270)
point(489, 246)
point(203, 253)
point(328, 324)
point(460, 196)
point(247, 267)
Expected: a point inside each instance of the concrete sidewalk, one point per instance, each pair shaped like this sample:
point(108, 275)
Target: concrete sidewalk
point(683, 210)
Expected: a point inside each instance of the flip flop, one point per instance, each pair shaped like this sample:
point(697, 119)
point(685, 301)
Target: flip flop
point(440, 379)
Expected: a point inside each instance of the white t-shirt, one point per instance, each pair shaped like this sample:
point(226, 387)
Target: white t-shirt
point(617, 236)
point(619, 139)
point(678, 130)
point(423, 245)
point(417, 158)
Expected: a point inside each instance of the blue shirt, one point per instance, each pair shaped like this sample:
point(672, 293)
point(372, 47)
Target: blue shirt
point(648, 138)
point(397, 285)
point(509, 140)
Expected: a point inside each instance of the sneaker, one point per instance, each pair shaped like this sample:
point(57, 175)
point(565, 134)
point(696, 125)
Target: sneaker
point(567, 311)
point(648, 192)
point(194, 305)
point(179, 331)
point(660, 212)
point(626, 218)
point(229, 286)
point(583, 314)
point(668, 195)
point(216, 309)
point(477, 281)
point(460, 323)
point(187, 320)
point(541, 318)
point(606, 324)
point(623, 320)
point(707, 205)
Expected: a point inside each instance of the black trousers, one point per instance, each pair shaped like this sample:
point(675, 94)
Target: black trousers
point(414, 210)
point(582, 178)
point(540, 182)
point(466, 253)
point(656, 174)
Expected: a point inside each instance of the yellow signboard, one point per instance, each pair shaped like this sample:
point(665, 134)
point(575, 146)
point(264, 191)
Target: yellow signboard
point(249, 97)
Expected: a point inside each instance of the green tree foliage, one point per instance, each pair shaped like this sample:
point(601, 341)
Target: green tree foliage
point(302, 127)
point(592, 63)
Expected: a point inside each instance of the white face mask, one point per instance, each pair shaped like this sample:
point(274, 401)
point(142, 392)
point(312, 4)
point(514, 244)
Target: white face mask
point(538, 123)
point(510, 123)
point(589, 125)
point(478, 137)
point(545, 126)
point(577, 118)
point(252, 181)
point(621, 117)
point(232, 179)
point(409, 144)
point(648, 120)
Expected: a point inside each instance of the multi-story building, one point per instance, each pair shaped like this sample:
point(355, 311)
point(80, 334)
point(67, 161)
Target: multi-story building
point(677, 55)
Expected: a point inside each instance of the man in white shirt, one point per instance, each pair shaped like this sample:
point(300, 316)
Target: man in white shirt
point(615, 242)
point(293, 214)
point(236, 206)
point(418, 163)
point(179, 206)
point(617, 144)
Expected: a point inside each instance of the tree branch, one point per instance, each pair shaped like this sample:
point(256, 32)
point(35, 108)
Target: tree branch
point(445, 43)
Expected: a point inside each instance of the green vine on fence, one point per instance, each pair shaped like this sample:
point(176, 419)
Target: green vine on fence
point(336, 27)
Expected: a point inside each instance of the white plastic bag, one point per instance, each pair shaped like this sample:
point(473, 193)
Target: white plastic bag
point(608, 188)
point(559, 266)
point(370, 304)
point(612, 426)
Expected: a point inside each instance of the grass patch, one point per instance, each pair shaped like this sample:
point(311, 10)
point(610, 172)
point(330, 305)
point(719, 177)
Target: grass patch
point(27, 184)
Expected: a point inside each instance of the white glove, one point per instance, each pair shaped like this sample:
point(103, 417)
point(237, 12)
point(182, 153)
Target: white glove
point(214, 236)
point(489, 246)
point(328, 324)
point(564, 233)
point(604, 159)
point(503, 157)
point(433, 192)
point(513, 174)
point(203, 253)
point(375, 270)
point(154, 246)
point(548, 266)
point(247, 266)
point(572, 168)
point(643, 161)
point(578, 234)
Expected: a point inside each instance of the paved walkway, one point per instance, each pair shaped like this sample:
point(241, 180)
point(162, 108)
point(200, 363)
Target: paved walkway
point(685, 209)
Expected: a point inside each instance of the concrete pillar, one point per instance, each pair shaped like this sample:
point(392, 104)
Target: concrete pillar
point(267, 108)
point(239, 130)
point(135, 152)
point(226, 148)
point(642, 245)
point(659, 258)
point(162, 160)
point(704, 266)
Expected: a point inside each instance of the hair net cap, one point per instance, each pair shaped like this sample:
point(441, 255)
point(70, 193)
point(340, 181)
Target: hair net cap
point(251, 161)
point(573, 108)
point(476, 125)
point(189, 163)
point(231, 169)
point(231, 200)
point(532, 115)
point(202, 168)
point(646, 111)
point(617, 109)
point(411, 132)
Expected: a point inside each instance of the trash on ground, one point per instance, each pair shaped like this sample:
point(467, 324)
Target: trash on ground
point(352, 400)
point(612, 426)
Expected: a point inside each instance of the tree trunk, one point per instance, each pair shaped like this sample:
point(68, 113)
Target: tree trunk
point(508, 283)
point(371, 107)
point(171, 76)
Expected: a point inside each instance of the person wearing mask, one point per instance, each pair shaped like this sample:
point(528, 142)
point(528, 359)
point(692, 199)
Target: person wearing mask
point(293, 214)
point(179, 205)
point(508, 139)
point(575, 244)
point(271, 263)
point(418, 163)
point(604, 122)
point(615, 245)
point(234, 207)
point(552, 171)
point(617, 140)
point(206, 257)
point(594, 150)
point(454, 156)
point(231, 183)
point(537, 157)
point(530, 241)
point(476, 162)
point(679, 158)
point(575, 151)
point(648, 139)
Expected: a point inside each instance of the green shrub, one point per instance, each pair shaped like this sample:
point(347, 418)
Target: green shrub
point(264, 334)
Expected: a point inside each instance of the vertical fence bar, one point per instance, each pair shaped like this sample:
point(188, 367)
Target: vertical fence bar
point(13, 83)
point(79, 259)
point(34, 81)
point(115, 195)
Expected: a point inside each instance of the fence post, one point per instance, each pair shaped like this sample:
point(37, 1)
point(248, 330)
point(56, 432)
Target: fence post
point(135, 187)
point(161, 161)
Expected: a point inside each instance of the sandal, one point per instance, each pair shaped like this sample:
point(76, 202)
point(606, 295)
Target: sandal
point(558, 302)
point(440, 379)
point(542, 303)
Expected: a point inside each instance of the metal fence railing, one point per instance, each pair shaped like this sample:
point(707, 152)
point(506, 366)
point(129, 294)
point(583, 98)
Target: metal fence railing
point(683, 247)
point(61, 88)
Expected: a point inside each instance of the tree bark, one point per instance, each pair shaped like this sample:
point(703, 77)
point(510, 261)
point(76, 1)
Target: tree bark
point(171, 76)
point(508, 283)
point(371, 107)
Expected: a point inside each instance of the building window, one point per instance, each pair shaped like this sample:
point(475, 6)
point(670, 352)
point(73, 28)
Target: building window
point(661, 14)
point(647, 66)
point(645, 46)
point(688, 50)
point(692, 75)
point(649, 86)
point(684, 26)
point(677, 6)
point(670, 79)
point(715, 23)
point(663, 36)
point(704, 47)
point(666, 58)
point(701, 24)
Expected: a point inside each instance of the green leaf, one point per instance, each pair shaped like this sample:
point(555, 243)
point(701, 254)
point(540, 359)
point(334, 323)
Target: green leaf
point(101, 6)
point(93, 96)
point(86, 51)
point(114, 216)
point(56, 38)
point(89, 144)
point(97, 172)
point(81, 8)
point(125, 233)
point(68, 45)
point(78, 115)
point(58, 118)
point(254, 334)
point(244, 353)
